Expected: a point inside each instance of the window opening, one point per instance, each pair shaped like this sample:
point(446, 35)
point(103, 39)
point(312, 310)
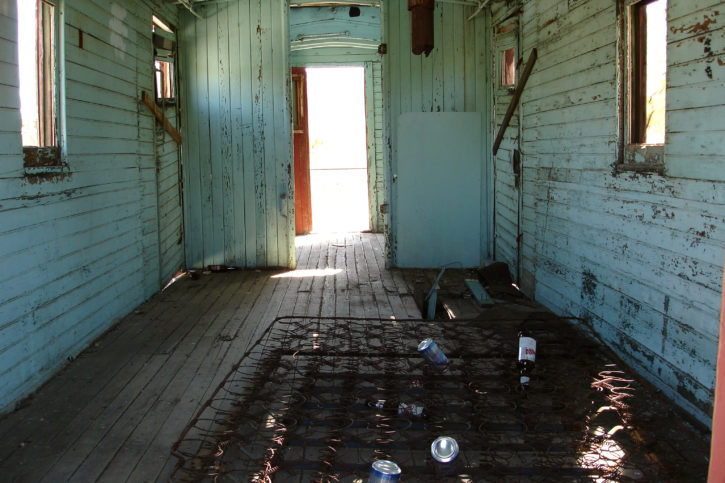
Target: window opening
point(298, 100)
point(648, 72)
point(164, 41)
point(164, 80)
point(508, 67)
point(36, 66)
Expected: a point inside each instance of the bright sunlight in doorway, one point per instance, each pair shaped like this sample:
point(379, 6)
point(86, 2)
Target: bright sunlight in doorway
point(338, 149)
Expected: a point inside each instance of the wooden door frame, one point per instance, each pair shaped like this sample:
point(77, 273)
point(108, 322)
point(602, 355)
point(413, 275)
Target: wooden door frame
point(369, 126)
point(301, 148)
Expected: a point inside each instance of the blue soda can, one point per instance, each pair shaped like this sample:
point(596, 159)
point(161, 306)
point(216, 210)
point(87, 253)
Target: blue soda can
point(383, 471)
point(430, 350)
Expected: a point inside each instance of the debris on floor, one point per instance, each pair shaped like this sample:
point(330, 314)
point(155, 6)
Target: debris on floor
point(319, 399)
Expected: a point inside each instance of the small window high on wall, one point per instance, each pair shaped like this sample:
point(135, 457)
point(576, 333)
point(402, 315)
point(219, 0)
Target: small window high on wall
point(37, 76)
point(508, 67)
point(164, 53)
point(646, 80)
point(649, 71)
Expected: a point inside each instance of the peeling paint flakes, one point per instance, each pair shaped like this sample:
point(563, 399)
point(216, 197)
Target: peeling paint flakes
point(703, 26)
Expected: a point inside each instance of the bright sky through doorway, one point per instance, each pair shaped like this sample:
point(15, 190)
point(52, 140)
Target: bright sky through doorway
point(338, 149)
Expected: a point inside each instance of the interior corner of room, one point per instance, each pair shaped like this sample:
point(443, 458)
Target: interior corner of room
point(190, 188)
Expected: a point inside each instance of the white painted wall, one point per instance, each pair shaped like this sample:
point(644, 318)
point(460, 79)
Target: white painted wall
point(78, 251)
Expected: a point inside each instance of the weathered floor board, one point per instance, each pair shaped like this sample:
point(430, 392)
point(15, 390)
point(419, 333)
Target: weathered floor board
point(114, 412)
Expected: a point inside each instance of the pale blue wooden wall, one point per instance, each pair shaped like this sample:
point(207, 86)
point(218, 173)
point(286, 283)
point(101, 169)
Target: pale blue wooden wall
point(329, 33)
point(169, 218)
point(239, 205)
point(507, 201)
point(81, 250)
point(638, 256)
point(452, 79)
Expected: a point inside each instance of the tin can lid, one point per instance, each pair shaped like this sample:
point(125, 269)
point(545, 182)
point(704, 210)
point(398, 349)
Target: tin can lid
point(387, 467)
point(444, 449)
point(424, 344)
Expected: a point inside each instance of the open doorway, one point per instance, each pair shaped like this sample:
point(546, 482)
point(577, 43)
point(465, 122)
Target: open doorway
point(338, 158)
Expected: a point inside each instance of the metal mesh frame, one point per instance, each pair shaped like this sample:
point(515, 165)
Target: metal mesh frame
point(300, 406)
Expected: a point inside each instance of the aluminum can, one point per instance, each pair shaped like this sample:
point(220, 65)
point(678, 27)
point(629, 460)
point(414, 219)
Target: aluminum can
point(430, 350)
point(444, 449)
point(383, 471)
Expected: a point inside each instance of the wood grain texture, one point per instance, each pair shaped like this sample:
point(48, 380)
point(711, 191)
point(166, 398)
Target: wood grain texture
point(241, 213)
point(115, 412)
point(638, 256)
point(81, 249)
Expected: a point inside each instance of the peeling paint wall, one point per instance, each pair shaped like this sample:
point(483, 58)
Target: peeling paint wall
point(78, 249)
point(638, 256)
point(168, 224)
point(376, 143)
point(239, 201)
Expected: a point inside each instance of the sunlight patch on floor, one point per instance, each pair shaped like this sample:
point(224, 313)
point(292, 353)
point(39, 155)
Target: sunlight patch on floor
point(312, 272)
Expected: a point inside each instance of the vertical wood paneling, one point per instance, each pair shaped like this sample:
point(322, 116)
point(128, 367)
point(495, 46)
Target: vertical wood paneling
point(239, 95)
point(451, 79)
point(77, 249)
point(638, 256)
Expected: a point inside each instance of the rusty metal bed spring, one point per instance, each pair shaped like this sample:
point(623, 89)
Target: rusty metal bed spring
point(300, 406)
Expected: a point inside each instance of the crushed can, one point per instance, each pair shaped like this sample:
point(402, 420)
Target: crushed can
point(405, 409)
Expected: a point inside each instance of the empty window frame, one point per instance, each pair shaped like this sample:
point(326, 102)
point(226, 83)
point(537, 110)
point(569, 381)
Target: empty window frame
point(508, 67)
point(164, 80)
point(506, 56)
point(37, 75)
point(648, 71)
point(298, 100)
point(646, 82)
point(164, 40)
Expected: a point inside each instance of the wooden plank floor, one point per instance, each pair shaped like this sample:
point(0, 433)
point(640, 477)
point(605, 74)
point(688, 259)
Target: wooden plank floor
point(114, 412)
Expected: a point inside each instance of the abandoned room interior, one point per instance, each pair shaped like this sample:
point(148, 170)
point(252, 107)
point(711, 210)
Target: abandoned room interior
point(226, 226)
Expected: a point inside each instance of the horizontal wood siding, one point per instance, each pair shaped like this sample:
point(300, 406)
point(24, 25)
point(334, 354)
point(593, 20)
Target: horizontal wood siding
point(238, 164)
point(639, 257)
point(505, 33)
point(170, 210)
point(75, 247)
point(451, 79)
